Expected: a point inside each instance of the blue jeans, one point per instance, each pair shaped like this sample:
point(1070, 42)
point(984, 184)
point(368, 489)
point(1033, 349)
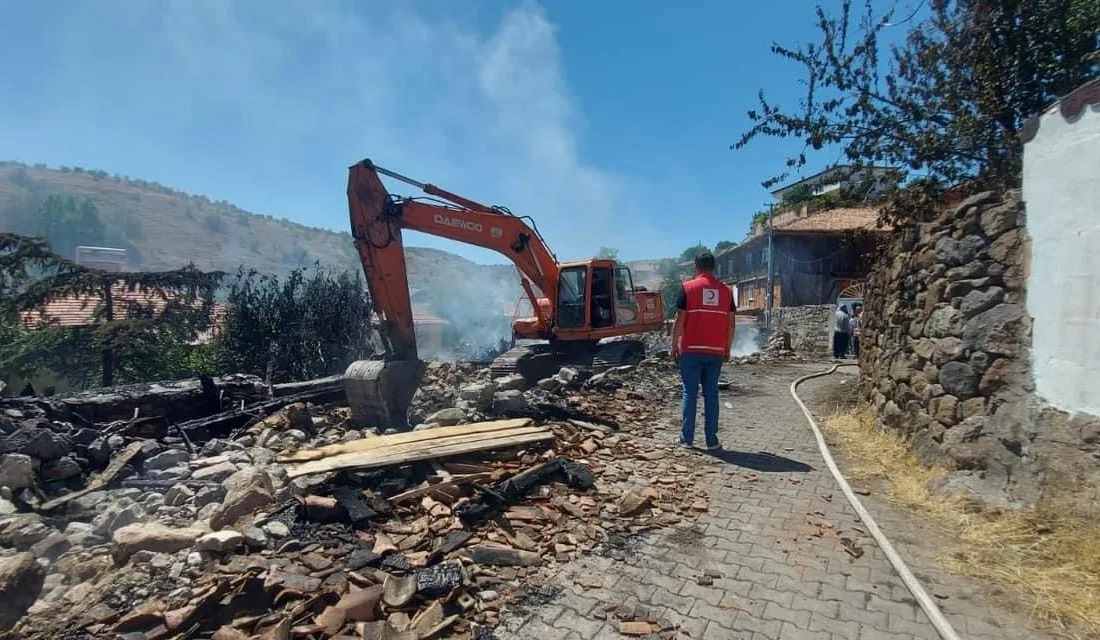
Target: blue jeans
point(695, 370)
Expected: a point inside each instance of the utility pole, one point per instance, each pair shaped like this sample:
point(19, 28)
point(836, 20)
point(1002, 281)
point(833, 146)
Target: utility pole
point(771, 270)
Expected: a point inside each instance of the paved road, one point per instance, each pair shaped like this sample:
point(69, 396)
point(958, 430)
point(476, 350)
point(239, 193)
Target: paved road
point(775, 534)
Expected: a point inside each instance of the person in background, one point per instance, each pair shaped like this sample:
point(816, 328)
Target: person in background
point(857, 326)
point(841, 332)
point(701, 341)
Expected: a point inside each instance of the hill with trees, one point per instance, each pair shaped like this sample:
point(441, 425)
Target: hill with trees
point(164, 229)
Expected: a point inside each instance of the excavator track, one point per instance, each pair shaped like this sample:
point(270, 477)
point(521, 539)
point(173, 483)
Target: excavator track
point(618, 353)
point(538, 361)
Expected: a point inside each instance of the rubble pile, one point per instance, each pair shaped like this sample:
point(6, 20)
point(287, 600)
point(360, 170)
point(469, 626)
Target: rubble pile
point(221, 526)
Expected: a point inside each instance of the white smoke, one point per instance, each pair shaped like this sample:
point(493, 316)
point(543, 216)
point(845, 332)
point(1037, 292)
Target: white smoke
point(746, 340)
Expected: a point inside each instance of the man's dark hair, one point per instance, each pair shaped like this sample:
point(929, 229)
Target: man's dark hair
point(704, 261)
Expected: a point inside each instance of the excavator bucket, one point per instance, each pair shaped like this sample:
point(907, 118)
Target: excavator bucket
point(379, 392)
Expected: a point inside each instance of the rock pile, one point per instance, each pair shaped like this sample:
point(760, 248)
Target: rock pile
point(177, 536)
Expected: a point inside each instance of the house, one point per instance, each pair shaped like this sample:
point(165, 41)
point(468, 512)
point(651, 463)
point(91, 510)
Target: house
point(818, 257)
point(869, 182)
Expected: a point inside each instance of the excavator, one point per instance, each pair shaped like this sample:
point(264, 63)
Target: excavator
point(586, 313)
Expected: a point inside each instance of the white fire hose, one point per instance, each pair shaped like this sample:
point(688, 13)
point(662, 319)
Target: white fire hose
point(935, 616)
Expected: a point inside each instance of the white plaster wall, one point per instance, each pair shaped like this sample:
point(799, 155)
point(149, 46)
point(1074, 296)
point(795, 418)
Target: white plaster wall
point(1061, 189)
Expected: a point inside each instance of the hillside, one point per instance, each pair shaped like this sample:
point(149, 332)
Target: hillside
point(162, 228)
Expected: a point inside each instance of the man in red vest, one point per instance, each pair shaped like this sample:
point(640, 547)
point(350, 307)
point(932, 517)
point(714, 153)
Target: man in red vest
point(701, 342)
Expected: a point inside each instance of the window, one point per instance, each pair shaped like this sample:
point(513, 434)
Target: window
point(571, 293)
point(624, 286)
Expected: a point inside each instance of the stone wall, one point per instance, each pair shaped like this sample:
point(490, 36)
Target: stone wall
point(810, 327)
point(945, 356)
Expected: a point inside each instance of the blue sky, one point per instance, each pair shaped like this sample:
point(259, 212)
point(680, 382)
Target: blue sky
point(609, 122)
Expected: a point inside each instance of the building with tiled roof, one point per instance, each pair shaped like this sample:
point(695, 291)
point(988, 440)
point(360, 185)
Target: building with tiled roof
point(79, 311)
point(817, 256)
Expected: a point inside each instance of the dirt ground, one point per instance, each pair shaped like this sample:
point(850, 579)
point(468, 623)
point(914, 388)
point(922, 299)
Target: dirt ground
point(778, 554)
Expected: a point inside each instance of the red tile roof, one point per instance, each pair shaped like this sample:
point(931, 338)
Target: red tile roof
point(841, 219)
point(78, 311)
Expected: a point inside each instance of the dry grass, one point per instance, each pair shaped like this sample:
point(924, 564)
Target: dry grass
point(1049, 555)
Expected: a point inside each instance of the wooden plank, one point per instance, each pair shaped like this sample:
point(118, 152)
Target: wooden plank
point(412, 447)
point(397, 450)
point(376, 442)
point(385, 458)
point(99, 481)
point(453, 483)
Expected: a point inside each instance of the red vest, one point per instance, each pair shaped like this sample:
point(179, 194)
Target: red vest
point(707, 316)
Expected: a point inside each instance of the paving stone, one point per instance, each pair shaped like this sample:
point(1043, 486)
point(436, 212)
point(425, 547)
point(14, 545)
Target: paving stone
point(776, 582)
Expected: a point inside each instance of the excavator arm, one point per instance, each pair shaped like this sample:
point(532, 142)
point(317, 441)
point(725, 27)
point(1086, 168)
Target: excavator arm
point(380, 391)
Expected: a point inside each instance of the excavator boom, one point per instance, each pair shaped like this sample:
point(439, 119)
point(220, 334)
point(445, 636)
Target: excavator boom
point(379, 392)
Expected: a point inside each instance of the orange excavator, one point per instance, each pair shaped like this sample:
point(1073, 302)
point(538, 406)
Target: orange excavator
point(587, 313)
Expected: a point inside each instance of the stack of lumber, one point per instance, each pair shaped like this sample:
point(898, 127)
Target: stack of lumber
point(404, 448)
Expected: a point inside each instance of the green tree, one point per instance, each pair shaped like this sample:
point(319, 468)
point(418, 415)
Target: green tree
point(128, 337)
point(608, 252)
point(67, 225)
point(723, 245)
point(307, 325)
point(948, 103)
point(688, 255)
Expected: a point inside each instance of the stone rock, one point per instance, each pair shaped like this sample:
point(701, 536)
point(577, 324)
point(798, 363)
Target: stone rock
point(23, 530)
point(550, 384)
point(167, 459)
point(254, 537)
point(567, 375)
point(997, 220)
point(954, 253)
point(960, 288)
point(21, 580)
point(248, 490)
point(99, 452)
point(976, 200)
point(276, 529)
point(80, 534)
point(219, 541)
point(946, 350)
point(944, 409)
point(999, 330)
point(207, 496)
point(972, 407)
point(514, 382)
point(214, 473)
point(959, 379)
point(6, 507)
point(36, 442)
point(425, 426)
point(980, 361)
point(61, 469)
point(967, 271)
point(478, 393)
point(114, 517)
point(978, 301)
point(901, 367)
point(509, 401)
point(51, 547)
point(447, 417)
point(16, 471)
point(178, 473)
point(996, 377)
point(248, 477)
point(156, 538)
point(924, 348)
point(945, 322)
point(1006, 249)
point(296, 435)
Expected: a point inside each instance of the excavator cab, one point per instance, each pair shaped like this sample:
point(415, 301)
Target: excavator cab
point(595, 296)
